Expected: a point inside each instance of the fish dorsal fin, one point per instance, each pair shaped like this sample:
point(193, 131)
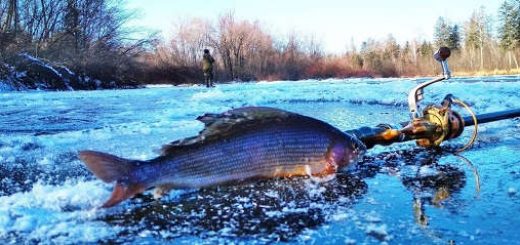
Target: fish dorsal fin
point(178, 146)
point(227, 123)
point(208, 118)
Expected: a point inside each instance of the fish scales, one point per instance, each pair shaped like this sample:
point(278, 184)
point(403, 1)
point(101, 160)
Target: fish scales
point(211, 157)
point(272, 150)
point(213, 154)
point(240, 162)
point(279, 148)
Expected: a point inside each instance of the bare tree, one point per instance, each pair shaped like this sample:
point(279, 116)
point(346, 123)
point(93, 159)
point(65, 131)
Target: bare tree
point(190, 39)
point(41, 20)
point(478, 33)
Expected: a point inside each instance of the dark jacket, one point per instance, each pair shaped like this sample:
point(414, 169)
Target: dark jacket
point(207, 63)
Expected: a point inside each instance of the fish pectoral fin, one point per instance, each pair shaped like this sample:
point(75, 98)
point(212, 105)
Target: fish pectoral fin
point(122, 192)
point(161, 190)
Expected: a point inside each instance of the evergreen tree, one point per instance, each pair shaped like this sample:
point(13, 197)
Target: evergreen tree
point(446, 34)
point(426, 49)
point(509, 30)
point(454, 38)
point(441, 32)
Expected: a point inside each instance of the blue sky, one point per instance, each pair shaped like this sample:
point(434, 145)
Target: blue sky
point(333, 22)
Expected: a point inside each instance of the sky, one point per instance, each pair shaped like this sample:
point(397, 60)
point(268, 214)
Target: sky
point(335, 23)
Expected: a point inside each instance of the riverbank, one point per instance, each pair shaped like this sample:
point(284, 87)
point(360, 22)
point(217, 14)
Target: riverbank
point(26, 72)
point(495, 72)
point(30, 73)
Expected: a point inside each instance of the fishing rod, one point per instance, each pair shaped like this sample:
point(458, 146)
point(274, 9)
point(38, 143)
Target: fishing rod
point(436, 123)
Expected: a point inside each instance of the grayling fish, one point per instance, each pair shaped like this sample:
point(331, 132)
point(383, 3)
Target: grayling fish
point(240, 144)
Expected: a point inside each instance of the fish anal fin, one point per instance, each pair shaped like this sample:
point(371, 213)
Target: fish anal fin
point(122, 192)
point(161, 190)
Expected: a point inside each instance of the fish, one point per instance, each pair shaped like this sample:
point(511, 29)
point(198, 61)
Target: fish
point(238, 145)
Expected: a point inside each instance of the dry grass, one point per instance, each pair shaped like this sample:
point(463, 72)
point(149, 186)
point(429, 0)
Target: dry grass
point(488, 72)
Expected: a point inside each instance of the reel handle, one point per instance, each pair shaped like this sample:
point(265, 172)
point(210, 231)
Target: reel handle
point(416, 94)
point(442, 56)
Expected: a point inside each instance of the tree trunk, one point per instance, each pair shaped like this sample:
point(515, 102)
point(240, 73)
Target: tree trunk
point(516, 62)
point(481, 58)
point(12, 21)
point(471, 58)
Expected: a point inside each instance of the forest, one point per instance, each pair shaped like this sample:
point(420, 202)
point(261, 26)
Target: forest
point(92, 40)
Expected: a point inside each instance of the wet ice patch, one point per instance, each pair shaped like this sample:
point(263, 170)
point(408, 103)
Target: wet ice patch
point(511, 191)
point(210, 95)
point(379, 231)
point(425, 171)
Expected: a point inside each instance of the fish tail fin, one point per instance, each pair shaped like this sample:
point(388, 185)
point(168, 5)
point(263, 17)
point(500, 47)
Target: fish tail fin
point(106, 167)
point(110, 168)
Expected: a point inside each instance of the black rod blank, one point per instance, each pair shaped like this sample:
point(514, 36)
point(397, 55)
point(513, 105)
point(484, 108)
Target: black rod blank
point(491, 117)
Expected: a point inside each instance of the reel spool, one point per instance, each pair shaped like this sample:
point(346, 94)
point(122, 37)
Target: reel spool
point(447, 123)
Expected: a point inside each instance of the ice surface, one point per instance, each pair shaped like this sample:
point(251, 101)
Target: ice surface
point(58, 214)
point(47, 195)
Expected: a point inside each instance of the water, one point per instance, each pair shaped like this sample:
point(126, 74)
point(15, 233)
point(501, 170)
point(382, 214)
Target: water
point(398, 194)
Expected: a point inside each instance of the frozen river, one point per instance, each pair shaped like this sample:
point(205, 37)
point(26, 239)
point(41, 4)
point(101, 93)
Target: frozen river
point(398, 194)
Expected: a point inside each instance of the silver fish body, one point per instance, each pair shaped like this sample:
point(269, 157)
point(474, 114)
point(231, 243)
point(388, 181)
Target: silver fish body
point(241, 144)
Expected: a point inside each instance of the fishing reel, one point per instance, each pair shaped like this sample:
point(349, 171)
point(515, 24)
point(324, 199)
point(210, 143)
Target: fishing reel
point(436, 123)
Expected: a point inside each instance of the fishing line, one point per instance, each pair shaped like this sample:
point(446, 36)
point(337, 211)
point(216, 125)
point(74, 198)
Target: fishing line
point(475, 132)
point(475, 172)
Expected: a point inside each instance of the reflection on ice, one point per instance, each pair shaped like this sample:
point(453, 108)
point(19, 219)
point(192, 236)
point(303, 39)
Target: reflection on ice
point(273, 210)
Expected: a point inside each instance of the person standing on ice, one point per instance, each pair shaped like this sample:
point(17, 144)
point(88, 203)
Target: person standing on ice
point(207, 68)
